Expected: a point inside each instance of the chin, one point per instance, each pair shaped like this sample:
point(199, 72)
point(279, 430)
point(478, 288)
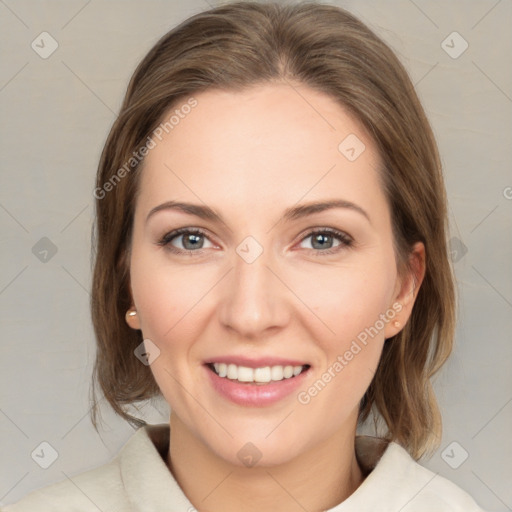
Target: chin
point(264, 444)
point(258, 454)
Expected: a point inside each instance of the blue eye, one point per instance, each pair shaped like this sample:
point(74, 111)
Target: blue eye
point(193, 241)
point(324, 240)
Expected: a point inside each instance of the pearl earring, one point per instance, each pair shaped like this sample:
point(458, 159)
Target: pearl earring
point(396, 324)
point(131, 313)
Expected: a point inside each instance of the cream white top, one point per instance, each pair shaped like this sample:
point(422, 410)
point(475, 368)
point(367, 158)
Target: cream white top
point(138, 480)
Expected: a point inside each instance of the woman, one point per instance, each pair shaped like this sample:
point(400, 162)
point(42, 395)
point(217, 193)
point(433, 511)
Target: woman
point(272, 260)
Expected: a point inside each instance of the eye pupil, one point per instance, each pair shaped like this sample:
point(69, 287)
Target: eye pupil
point(195, 240)
point(321, 239)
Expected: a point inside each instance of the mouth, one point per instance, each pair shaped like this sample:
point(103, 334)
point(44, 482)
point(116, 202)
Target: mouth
point(261, 376)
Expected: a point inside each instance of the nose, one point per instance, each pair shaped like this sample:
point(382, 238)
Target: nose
point(254, 300)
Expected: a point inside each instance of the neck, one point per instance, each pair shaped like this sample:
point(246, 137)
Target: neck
point(316, 480)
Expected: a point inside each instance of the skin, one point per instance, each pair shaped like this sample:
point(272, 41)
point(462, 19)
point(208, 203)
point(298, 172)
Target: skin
point(250, 155)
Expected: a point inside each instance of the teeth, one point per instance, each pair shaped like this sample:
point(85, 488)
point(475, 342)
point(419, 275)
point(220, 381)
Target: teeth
point(276, 373)
point(262, 375)
point(221, 369)
point(245, 374)
point(232, 372)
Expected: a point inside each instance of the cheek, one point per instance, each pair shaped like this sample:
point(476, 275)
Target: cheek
point(169, 305)
point(164, 297)
point(349, 299)
point(353, 304)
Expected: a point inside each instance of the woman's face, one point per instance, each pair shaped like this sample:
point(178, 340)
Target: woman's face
point(264, 280)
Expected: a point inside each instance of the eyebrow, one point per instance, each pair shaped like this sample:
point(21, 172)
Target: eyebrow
point(293, 213)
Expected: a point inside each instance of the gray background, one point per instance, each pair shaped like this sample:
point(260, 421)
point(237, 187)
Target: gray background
point(56, 113)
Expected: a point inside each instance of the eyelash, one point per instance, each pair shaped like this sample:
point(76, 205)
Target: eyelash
point(346, 240)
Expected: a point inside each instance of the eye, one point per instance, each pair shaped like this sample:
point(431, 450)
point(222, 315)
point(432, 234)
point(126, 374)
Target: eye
point(324, 240)
point(192, 240)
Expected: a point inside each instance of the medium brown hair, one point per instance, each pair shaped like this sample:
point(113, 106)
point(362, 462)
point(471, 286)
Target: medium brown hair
point(244, 44)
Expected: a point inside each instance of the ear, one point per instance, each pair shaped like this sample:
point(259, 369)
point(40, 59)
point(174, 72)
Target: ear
point(406, 290)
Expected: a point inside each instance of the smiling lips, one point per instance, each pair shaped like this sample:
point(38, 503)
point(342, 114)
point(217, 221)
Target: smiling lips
point(255, 382)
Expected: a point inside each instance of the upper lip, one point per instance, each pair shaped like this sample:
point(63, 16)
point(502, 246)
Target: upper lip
point(255, 362)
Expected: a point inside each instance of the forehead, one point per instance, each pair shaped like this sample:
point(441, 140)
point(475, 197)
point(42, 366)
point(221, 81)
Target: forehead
point(259, 147)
